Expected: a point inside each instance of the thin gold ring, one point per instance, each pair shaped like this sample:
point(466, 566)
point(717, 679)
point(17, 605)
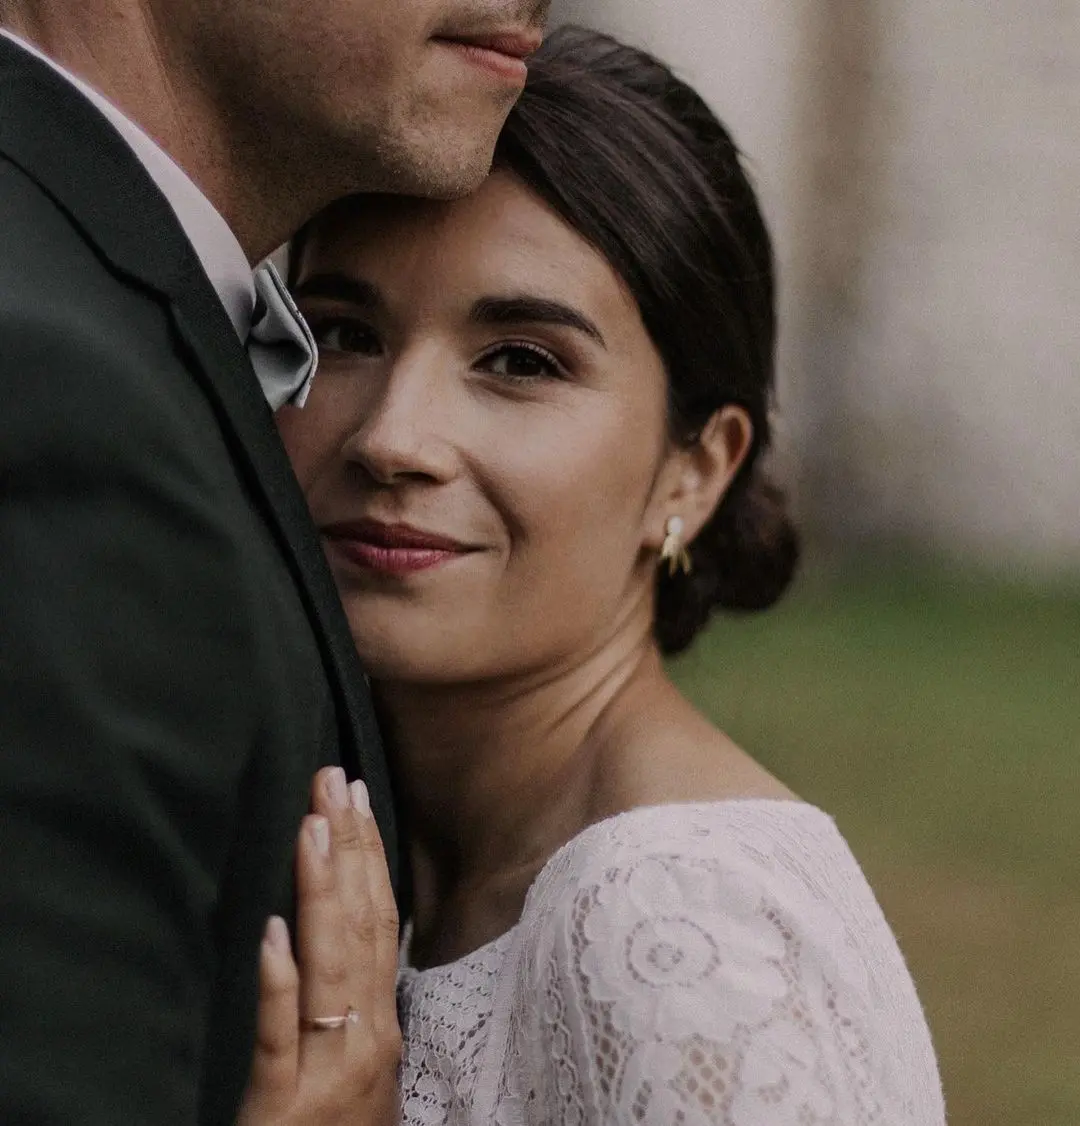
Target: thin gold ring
point(330, 1024)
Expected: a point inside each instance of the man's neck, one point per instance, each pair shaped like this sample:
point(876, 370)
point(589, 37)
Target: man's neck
point(120, 53)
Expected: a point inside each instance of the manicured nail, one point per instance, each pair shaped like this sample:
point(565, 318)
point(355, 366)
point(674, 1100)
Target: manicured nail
point(336, 790)
point(320, 834)
point(277, 934)
point(361, 802)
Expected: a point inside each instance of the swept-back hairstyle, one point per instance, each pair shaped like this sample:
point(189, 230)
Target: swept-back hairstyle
point(635, 161)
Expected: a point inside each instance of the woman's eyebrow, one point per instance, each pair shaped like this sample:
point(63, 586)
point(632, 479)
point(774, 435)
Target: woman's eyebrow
point(533, 310)
point(341, 287)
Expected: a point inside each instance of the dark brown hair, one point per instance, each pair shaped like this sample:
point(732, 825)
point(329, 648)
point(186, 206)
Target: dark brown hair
point(636, 162)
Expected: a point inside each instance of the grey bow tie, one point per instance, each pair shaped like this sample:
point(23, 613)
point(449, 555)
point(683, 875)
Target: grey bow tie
point(280, 344)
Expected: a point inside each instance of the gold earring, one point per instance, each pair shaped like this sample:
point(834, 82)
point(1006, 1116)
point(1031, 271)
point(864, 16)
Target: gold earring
point(673, 549)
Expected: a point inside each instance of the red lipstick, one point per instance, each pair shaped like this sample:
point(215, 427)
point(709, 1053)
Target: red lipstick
point(391, 549)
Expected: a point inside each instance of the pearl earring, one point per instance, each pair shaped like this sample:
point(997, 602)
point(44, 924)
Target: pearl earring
point(673, 550)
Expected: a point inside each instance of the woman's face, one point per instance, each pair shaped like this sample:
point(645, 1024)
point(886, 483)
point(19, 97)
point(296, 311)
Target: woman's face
point(484, 446)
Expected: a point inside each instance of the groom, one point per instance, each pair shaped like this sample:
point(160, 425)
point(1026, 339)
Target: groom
point(174, 664)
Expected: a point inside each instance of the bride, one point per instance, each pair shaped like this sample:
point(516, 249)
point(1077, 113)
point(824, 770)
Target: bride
point(534, 451)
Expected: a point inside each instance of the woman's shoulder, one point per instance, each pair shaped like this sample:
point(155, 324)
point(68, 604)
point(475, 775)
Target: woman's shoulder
point(745, 928)
point(787, 848)
point(759, 882)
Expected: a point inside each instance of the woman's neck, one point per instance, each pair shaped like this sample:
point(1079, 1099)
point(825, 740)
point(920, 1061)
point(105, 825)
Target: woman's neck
point(494, 777)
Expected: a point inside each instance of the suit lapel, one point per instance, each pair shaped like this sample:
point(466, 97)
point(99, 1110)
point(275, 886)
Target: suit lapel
point(59, 139)
point(237, 394)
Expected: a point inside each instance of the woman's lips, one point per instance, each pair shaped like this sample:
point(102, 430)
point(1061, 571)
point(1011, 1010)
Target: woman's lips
point(392, 549)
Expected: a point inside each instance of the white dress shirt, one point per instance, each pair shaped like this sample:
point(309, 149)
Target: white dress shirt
point(280, 344)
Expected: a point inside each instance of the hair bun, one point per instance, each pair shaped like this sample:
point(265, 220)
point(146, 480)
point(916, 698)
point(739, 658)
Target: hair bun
point(761, 552)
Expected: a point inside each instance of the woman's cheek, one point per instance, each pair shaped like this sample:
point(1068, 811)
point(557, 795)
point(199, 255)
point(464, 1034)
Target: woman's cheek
point(299, 439)
point(315, 435)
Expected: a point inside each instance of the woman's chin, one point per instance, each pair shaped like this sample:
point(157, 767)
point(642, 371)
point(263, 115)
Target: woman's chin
point(399, 640)
point(407, 660)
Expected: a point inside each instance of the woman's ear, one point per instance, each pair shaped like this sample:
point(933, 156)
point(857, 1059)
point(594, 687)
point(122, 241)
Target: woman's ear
point(696, 476)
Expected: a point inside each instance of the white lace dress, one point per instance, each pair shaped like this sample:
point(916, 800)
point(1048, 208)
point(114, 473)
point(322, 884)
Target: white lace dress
point(722, 964)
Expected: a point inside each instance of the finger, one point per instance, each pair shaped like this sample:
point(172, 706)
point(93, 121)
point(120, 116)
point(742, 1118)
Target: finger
point(373, 1041)
point(382, 905)
point(321, 947)
point(374, 1048)
point(276, 1059)
point(329, 792)
point(349, 848)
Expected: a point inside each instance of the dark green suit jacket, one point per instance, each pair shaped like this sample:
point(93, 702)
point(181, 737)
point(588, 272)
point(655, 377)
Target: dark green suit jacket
point(174, 663)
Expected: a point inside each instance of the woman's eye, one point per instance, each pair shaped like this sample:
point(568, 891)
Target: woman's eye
point(346, 336)
point(521, 361)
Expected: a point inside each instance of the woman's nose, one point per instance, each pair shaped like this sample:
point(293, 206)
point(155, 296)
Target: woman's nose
point(402, 431)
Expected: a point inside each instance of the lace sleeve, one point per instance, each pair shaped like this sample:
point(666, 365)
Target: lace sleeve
point(668, 987)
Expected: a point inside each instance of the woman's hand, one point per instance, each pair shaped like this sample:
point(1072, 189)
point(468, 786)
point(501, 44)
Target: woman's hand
point(328, 1042)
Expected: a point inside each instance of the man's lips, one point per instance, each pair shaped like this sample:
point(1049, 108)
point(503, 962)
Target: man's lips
point(503, 53)
point(515, 44)
point(392, 548)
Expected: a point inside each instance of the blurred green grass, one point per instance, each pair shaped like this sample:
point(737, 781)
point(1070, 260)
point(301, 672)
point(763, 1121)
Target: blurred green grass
point(936, 715)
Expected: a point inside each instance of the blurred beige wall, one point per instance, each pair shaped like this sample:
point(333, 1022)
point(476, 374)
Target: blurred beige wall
point(919, 161)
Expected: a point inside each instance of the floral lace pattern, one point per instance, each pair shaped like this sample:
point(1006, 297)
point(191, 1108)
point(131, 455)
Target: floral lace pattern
point(708, 965)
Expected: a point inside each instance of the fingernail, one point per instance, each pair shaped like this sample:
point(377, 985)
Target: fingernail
point(335, 788)
point(320, 834)
point(361, 802)
point(277, 934)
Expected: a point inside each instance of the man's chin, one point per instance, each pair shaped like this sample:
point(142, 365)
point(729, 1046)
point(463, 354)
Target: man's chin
point(447, 174)
point(449, 156)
